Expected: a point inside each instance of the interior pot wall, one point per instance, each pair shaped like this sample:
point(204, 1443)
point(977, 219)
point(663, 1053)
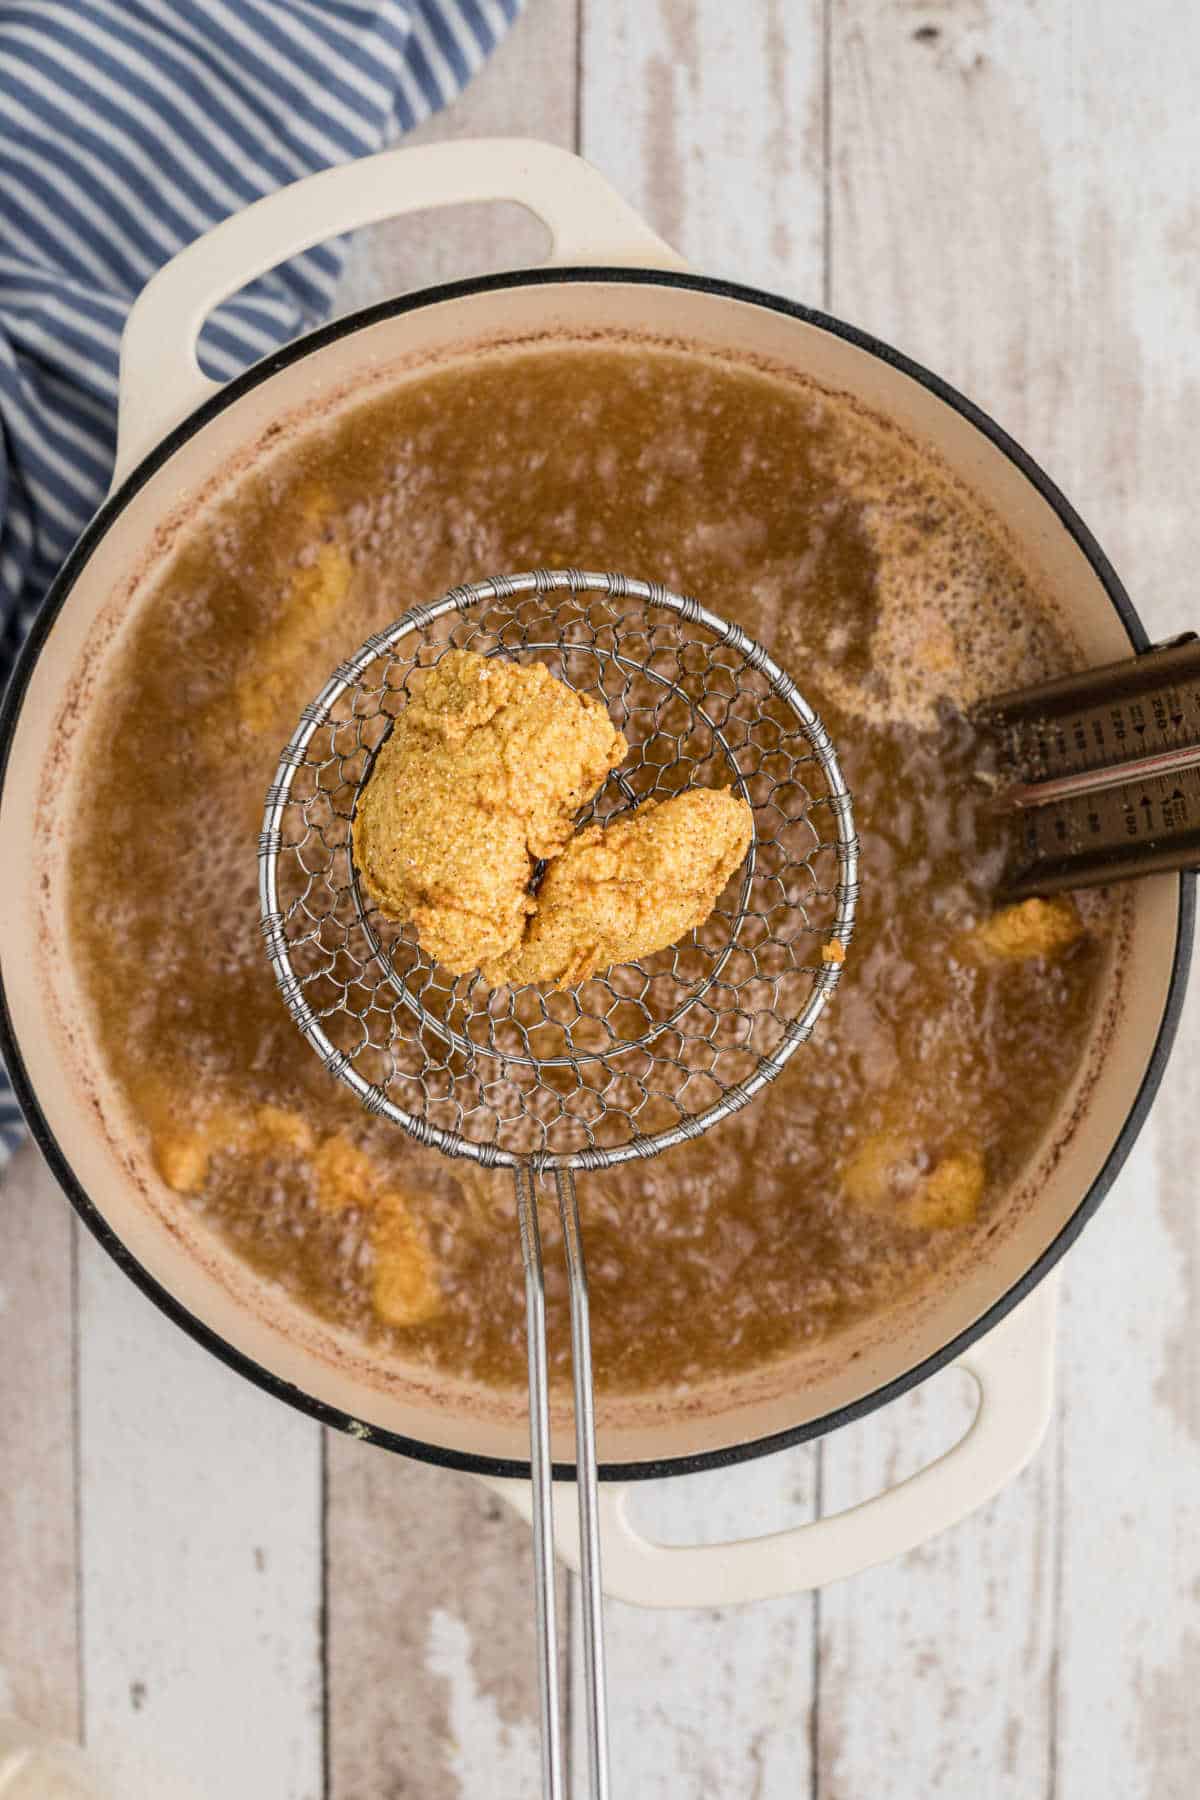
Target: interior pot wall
point(83, 1115)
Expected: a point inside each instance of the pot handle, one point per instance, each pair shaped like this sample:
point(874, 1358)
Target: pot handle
point(1013, 1369)
point(161, 380)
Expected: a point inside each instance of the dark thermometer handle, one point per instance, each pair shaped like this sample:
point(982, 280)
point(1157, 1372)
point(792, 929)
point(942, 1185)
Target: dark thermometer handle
point(1103, 769)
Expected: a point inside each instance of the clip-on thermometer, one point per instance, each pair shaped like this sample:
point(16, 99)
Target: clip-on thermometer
point(1103, 771)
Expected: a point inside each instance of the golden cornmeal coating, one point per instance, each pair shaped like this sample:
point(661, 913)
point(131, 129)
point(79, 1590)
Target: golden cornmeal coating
point(484, 772)
point(1032, 928)
point(891, 1174)
point(950, 1195)
point(622, 891)
point(184, 1150)
point(315, 595)
point(404, 1283)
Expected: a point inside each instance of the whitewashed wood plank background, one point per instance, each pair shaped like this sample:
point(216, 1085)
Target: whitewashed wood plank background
point(223, 1603)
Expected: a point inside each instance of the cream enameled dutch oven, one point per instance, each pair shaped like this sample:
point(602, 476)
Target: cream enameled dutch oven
point(181, 439)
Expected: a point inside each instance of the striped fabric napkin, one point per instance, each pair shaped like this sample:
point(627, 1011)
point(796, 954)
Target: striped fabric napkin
point(128, 128)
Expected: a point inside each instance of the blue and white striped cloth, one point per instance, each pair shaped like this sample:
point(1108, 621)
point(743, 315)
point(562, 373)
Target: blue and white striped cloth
point(127, 127)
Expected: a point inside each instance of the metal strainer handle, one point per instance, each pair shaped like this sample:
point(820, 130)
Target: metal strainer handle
point(544, 1574)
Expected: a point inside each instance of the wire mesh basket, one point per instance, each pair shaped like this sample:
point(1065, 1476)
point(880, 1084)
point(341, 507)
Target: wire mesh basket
point(646, 1054)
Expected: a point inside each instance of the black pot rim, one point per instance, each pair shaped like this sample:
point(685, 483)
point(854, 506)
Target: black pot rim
point(10, 709)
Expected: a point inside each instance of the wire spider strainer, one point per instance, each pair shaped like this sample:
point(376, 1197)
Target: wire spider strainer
point(641, 1057)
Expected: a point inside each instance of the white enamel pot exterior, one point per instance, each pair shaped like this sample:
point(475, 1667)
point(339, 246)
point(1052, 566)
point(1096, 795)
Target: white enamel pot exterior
point(182, 442)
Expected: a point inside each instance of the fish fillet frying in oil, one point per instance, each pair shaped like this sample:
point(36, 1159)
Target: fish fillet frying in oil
point(483, 774)
point(622, 891)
